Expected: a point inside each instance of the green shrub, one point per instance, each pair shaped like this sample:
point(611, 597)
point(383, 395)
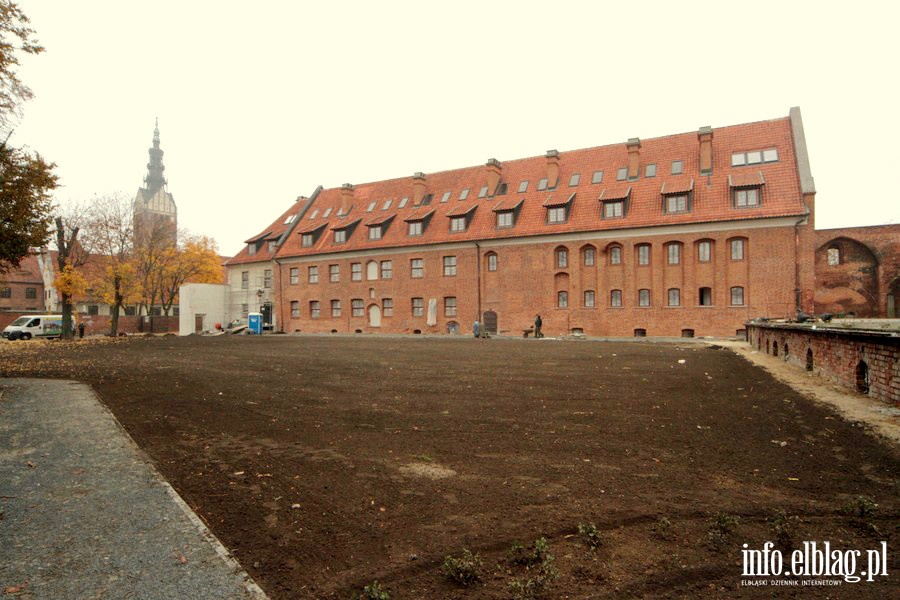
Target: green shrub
point(373, 591)
point(590, 535)
point(463, 570)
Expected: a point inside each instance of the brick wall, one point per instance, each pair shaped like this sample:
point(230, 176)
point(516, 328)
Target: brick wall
point(835, 355)
point(867, 275)
point(528, 281)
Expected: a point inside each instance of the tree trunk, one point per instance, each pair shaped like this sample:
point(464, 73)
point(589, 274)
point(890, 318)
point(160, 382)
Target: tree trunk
point(114, 308)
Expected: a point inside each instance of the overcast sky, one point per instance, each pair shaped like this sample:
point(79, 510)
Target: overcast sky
point(260, 102)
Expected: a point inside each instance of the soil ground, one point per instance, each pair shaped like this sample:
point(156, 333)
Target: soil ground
point(326, 463)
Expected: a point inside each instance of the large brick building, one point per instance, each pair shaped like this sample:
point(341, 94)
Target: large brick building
point(688, 233)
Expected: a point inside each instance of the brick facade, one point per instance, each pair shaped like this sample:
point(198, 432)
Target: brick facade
point(858, 271)
point(837, 355)
point(22, 289)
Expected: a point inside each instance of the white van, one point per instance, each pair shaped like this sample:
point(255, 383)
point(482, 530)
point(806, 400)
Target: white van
point(39, 326)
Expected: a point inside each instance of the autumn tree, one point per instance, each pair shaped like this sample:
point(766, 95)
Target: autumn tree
point(69, 281)
point(109, 232)
point(26, 179)
point(195, 260)
point(152, 255)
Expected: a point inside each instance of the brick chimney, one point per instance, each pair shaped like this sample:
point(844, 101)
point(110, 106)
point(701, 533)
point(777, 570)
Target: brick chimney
point(552, 168)
point(418, 187)
point(494, 173)
point(346, 198)
point(705, 135)
point(634, 157)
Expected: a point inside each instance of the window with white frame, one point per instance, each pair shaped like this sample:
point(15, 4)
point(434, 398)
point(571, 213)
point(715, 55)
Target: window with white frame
point(356, 307)
point(356, 271)
point(589, 256)
point(340, 236)
point(294, 275)
point(295, 309)
point(556, 214)
point(562, 299)
point(673, 252)
point(737, 296)
point(449, 266)
point(492, 261)
point(335, 308)
point(737, 249)
point(677, 203)
point(704, 251)
point(450, 306)
point(615, 255)
point(458, 223)
point(562, 258)
point(643, 297)
point(313, 309)
point(505, 219)
point(418, 307)
point(267, 279)
point(417, 268)
point(312, 274)
point(614, 209)
point(375, 232)
point(387, 307)
point(307, 240)
point(387, 269)
point(334, 273)
point(643, 252)
point(415, 228)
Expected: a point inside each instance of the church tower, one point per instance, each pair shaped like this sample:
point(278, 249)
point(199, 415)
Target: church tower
point(155, 214)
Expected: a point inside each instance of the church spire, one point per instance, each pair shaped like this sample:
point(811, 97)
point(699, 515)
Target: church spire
point(154, 179)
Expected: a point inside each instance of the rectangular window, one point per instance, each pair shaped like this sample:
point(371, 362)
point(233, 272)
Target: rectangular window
point(562, 299)
point(375, 232)
point(737, 249)
point(464, 194)
point(615, 298)
point(523, 187)
point(505, 219)
point(449, 266)
point(556, 214)
point(622, 174)
point(492, 262)
point(450, 306)
point(387, 307)
point(417, 268)
point(589, 299)
point(427, 199)
point(295, 275)
point(272, 245)
point(313, 309)
point(386, 205)
point(356, 307)
point(445, 197)
point(335, 308)
point(334, 273)
point(676, 204)
point(306, 240)
point(597, 177)
point(674, 297)
point(245, 310)
point(295, 309)
point(251, 249)
point(650, 171)
point(677, 167)
point(267, 279)
point(324, 214)
point(313, 274)
point(245, 280)
point(31, 293)
point(643, 254)
point(574, 179)
point(387, 269)
point(356, 271)
point(340, 236)
point(746, 197)
point(313, 214)
point(704, 251)
point(770, 155)
point(418, 307)
point(705, 296)
point(615, 255)
point(613, 210)
point(562, 258)
point(643, 297)
point(482, 192)
point(542, 184)
point(674, 253)
point(371, 206)
point(737, 296)
point(403, 202)
point(458, 224)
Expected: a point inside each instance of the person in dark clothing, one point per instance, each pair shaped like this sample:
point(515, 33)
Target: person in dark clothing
point(81, 330)
point(537, 327)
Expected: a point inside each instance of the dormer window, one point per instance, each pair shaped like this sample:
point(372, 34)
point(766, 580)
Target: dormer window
point(676, 197)
point(271, 245)
point(504, 219)
point(507, 211)
point(251, 248)
point(677, 203)
point(307, 240)
point(558, 210)
point(746, 197)
point(746, 188)
point(340, 236)
point(614, 209)
point(457, 224)
point(614, 202)
point(415, 228)
point(375, 232)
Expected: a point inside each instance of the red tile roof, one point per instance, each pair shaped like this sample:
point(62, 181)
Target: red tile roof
point(711, 196)
point(505, 205)
point(270, 233)
point(746, 179)
point(678, 186)
point(419, 215)
point(559, 200)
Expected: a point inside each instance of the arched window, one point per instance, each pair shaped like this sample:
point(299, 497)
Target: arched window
point(615, 298)
point(372, 270)
point(704, 250)
point(674, 297)
point(673, 253)
point(588, 256)
point(705, 296)
point(834, 256)
point(643, 297)
point(737, 296)
point(562, 257)
point(491, 258)
point(614, 254)
point(643, 254)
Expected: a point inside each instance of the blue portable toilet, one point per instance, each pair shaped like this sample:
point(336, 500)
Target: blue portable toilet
point(255, 323)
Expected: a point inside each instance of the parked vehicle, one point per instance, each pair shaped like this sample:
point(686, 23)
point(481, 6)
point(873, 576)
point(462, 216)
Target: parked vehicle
point(38, 326)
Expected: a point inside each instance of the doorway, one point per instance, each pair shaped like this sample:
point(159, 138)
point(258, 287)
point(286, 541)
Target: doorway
point(374, 316)
point(490, 322)
point(198, 323)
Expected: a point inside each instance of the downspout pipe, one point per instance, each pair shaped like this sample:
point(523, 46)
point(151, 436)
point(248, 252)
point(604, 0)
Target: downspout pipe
point(478, 278)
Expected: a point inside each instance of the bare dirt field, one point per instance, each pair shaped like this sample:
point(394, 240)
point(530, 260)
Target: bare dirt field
point(326, 463)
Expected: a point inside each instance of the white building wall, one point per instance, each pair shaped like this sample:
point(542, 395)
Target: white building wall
point(251, 298)
point(206, 300)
